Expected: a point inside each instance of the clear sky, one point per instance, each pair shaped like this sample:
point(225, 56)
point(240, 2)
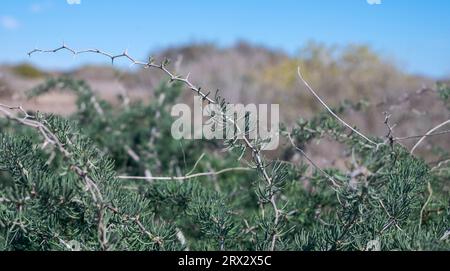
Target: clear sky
point(414, 32)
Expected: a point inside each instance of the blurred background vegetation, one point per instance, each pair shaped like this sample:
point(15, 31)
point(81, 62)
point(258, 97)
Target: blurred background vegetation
point(248, 73)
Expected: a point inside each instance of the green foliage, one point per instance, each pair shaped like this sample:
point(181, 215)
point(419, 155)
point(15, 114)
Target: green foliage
point(444, 93)
point(47, 204)
point(28, 71)
point(47, 207)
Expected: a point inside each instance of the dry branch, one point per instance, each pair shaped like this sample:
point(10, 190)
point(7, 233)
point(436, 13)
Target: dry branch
point(187, 177)
point(256, 154)
point(314, 93)
point(428, 134)
point(330, 178)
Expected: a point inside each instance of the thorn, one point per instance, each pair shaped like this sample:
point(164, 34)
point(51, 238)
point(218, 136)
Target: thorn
point(216, 95)
point(151, 59)
point(166, 62)
point(206, 96)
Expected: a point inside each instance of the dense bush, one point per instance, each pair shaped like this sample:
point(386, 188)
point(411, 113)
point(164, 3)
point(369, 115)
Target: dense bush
point(66, 194)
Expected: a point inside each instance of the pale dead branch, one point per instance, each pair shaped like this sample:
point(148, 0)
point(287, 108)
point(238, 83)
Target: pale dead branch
point(330, 110)
point(428, 134)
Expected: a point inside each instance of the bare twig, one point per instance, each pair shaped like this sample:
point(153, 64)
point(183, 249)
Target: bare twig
point(330, 110)
point(440, 164)
point(391, 221)
point(152, 237)
point(430, 195)
point(187, 177)
point(196, 164)
point(428, 134)
point(330, 178)
point(420, 136)
point(390, 129)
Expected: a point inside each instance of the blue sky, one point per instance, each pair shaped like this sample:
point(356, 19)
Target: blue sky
point(416, 33)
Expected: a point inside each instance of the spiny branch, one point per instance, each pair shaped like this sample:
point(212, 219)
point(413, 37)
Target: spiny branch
point(149, 64)
point(256, 153)
point(162, 66)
